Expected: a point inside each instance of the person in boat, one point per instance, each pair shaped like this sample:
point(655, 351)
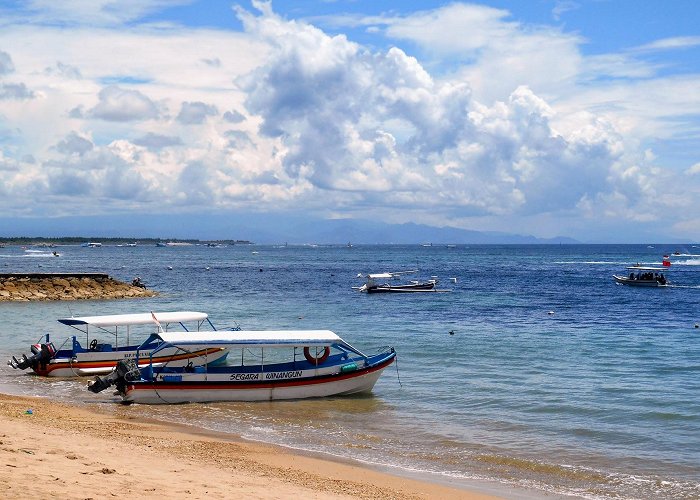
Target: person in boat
point(137, 282)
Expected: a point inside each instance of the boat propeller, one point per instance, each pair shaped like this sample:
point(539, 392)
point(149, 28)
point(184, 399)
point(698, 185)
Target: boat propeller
point(125, 371)
point(41, 355)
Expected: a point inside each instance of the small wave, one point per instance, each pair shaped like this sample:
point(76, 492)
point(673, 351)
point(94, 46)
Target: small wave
point(591, 262)
point(688, 262)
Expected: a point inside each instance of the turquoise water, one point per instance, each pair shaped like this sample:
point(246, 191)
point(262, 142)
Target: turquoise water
point(555, 379)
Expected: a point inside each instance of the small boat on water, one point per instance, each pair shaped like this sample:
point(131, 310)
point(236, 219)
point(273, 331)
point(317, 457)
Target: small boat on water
point(262, 366)
point(372, 285)
point(643, 276)
point(97, 357)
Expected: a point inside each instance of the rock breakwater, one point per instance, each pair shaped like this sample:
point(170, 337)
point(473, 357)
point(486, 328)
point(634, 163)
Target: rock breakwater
point(66, 286)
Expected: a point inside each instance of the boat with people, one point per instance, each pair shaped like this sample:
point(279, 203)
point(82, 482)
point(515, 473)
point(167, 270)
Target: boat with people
point(643, 276)
point(262, 366)
point(376, 283)
point(125, 334)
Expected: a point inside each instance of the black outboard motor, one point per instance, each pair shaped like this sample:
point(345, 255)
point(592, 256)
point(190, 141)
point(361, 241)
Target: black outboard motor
point(125, 371)
point(41, 355)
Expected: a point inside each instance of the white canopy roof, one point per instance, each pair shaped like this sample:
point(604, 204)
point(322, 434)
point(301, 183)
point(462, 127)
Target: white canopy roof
point(135, 319)
point(380, 276)
point(642, 268)
point(270, 338)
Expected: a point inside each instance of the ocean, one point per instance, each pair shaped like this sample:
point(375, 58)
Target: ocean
point(533, 372)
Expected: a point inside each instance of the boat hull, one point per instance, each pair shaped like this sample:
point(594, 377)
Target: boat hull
point(623, 280)
point(420, 287)
point(258, 387)
point(97, 363)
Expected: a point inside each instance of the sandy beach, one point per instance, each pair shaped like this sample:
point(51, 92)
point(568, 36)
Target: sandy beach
point(50, 450)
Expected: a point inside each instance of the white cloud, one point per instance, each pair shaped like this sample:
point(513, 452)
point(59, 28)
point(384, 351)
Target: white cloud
point(6, 65)
point(17, 91)
point(524, 127)
point(674, 43)
point(194, 113)
point(91, 12)
point(123, 105)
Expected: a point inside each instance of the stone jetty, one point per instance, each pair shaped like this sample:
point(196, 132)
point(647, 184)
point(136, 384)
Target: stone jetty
point(66, 286)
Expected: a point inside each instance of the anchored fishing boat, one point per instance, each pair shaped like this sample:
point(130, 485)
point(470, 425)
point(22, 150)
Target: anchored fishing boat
point(95, 356)
point(374, 286)
point(262, 366)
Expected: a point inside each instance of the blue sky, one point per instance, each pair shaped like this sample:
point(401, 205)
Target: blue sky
point(551, 118)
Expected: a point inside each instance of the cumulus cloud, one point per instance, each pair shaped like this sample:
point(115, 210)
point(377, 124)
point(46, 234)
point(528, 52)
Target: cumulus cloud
point(157, 141)
point(238, 139)
point(64, 71)
point(233, 116)
point(74, 144)
point(6, 65)
point(355, 121)
point(194, 113)
point(123, 105)
point(16, 91)
point(521, 124)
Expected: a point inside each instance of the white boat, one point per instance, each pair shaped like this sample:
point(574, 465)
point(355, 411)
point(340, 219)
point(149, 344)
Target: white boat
point(262, 366)
point(643, 276)
point(96, 356)
point(379, 283)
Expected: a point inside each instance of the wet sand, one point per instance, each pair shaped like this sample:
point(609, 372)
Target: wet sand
point(66, 451)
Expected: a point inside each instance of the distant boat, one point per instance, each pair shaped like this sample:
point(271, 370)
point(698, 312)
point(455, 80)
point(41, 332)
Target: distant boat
point(643, 276)
point(371, 286)
point(91, 244)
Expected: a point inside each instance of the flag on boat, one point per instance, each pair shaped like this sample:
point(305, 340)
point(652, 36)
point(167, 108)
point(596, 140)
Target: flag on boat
point(160, 328)
point(666, 261)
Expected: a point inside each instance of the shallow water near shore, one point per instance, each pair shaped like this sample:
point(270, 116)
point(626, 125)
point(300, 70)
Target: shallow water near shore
point(554, 377)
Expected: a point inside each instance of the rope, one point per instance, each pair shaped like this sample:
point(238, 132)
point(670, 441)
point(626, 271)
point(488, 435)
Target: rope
point(397, 371)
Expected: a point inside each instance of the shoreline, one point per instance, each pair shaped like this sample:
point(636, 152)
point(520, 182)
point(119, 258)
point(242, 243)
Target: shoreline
point(106, 455)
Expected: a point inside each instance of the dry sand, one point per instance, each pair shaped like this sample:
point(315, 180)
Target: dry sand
point(63, 451)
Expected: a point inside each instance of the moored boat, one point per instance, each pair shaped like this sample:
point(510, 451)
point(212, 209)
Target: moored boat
point(373, 286)
point(643, 276)
point(290, 365)
point(98, 356)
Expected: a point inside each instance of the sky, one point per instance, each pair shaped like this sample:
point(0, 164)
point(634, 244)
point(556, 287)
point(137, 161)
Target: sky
point(547, 117)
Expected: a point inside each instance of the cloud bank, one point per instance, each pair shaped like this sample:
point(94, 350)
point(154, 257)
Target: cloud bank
point(520, 135)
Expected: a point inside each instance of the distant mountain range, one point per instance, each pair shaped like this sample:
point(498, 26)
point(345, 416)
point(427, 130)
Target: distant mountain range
point(258, 228)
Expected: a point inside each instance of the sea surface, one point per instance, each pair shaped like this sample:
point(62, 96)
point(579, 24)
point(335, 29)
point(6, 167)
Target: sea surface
point(533, 372)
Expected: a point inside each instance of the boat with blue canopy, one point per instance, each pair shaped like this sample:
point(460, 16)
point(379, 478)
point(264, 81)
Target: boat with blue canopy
point(261, 366)
point(110, 338)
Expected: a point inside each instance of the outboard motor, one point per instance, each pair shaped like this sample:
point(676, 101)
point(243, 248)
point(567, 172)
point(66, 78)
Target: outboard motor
point(125, 371)
point(41, 355)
